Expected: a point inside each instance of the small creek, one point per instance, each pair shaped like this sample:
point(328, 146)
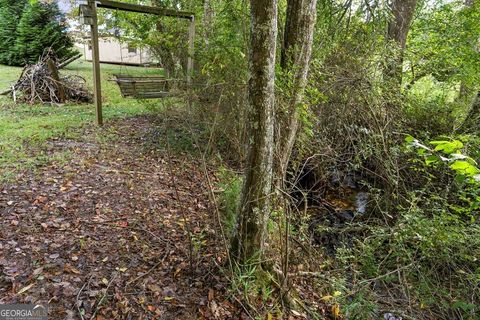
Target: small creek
point(333, 214)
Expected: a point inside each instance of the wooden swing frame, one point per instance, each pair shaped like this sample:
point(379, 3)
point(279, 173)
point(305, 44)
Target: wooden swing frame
point(89, 16)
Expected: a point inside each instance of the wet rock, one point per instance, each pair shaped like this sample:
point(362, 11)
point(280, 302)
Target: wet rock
point(391, 316)
point(361, 202)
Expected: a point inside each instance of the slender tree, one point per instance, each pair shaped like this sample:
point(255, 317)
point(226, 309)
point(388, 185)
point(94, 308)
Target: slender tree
point(402, 12)
point(249, 238)
point(472, 121)
point(295, 60)
point(207, 21)
point(162, 47)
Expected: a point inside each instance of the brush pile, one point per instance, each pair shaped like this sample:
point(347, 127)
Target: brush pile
point(42, 83)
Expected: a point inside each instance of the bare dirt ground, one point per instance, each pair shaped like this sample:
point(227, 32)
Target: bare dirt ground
point(105, 235)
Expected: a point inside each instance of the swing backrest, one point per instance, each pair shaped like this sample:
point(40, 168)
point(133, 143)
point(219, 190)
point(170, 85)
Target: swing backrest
point(142, 87)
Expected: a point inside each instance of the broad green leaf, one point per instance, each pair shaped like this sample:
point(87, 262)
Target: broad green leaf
point(447, 147)
point(464, 167)
point(431, 159)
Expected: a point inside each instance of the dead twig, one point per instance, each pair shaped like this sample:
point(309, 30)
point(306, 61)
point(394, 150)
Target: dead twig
point(149, 270)
point(77, 302)
point(104, 295)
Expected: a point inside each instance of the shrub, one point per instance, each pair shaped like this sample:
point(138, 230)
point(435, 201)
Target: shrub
point(41, 26)
point(10, 13)
point(430, 253)
point(231, 186)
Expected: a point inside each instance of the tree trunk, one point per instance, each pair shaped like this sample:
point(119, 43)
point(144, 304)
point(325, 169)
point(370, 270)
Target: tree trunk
point(162, 49)
point(472, 121)
point(398, 27)
point(207, 21)
point(164, 53)
point(465, 91)
point(249, 238)
point(471, 124)
point(296, 53)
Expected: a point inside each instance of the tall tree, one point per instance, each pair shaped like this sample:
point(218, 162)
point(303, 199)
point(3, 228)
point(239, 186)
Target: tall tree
point(249, 238)
point(472, 121)
point(42, 26)
point(295, 61)
point(162, 47)
point(398, 26)
point(207, 21)
point(10, 13)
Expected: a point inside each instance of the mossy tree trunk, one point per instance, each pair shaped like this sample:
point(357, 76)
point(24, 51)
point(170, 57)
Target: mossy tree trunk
point(471, 124)
point(402, 12)
point(163, 49)
point(249, 237)
point(295, 61)
point(472, 121)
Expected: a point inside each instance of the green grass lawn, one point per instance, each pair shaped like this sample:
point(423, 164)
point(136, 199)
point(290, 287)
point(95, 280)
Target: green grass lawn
point(24, 128)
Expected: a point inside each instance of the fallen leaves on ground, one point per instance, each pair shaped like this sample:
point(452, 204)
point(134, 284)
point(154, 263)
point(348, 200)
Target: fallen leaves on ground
point(104, 236)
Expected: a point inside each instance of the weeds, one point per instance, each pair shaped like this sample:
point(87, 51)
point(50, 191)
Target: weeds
point(230, 186)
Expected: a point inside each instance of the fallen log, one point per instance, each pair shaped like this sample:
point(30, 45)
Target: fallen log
point(6, 92)
point(65, 63)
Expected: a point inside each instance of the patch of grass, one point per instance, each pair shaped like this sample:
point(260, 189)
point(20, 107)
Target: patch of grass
point(231, 186)
point(24, 128)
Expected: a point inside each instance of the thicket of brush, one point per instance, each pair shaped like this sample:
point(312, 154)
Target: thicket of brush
point(415, 252)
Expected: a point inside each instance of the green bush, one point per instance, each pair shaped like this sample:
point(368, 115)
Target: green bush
point(428, 97)
point(434, 258)
point(231, 188)
point(431, 252)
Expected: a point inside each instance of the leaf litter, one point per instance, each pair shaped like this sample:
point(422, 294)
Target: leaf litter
point(103, 236)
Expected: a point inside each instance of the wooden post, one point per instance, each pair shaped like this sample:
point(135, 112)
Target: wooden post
point(97, 90)
point(191, 50)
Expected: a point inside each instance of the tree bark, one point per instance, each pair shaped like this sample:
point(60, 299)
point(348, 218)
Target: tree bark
point(207, 21)
point(472, 121)
point(162, 50)
point(249, 238)
point(295, 58)
point(164, 53)
point(398, 28)
point(471, 124)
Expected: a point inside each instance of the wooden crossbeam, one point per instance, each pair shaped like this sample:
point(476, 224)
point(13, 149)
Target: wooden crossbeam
point(144, 9)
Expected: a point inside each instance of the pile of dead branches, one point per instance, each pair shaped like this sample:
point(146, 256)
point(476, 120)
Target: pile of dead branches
point(42, 83)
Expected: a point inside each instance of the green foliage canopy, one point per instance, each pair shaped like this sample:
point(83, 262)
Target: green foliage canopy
point(444, 42)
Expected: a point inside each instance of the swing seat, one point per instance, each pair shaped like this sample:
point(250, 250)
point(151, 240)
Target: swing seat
point(142, 87)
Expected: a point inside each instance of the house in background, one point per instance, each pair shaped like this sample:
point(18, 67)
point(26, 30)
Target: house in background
point(112, 50)
point(115, 52)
